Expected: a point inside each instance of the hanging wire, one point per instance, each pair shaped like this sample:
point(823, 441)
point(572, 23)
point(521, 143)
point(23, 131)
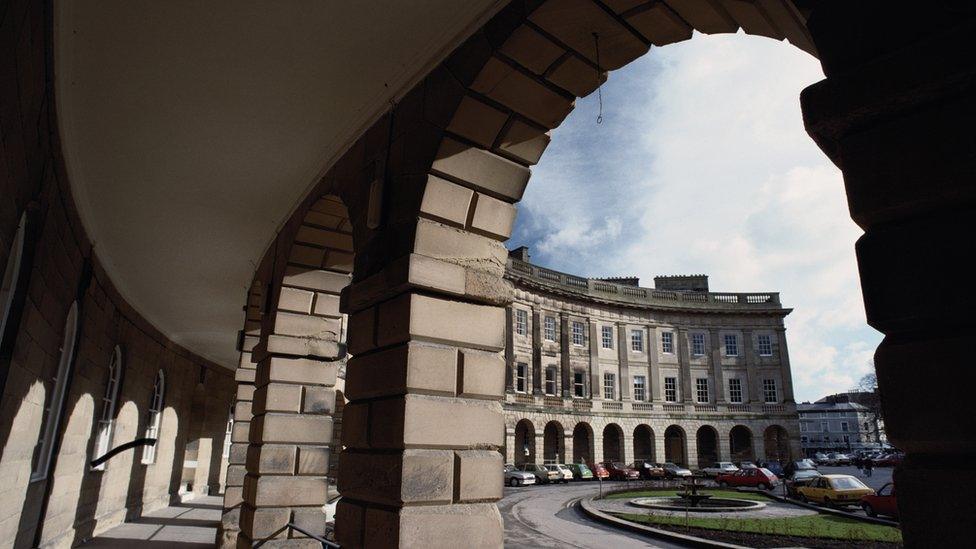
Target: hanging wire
point(599, 84)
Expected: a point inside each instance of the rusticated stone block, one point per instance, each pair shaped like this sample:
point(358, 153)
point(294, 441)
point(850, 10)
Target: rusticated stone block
point(280, 491)
point(327, 349)
point(272, 459)
point(434, 422)
point(483, 374)
point(478, 524)
point(446, 200)
point(479, 475)
point(574, 22)
point(414, 367)
point(350, 523)
point(318, 400)
point(313, 460)
point(413, 476)
point(278, 397)
point(477, 121)
point(493, 217)
point(522, 93)
point(481, 169)
point(262, 523)
point(291, 428)
point(414, 316)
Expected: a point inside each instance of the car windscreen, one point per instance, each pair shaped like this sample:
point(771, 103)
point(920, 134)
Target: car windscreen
point(767, 472)
point(618, 465)
point(847, 483)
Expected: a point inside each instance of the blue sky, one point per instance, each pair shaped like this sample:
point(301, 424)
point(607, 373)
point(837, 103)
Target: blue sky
point(702, 165)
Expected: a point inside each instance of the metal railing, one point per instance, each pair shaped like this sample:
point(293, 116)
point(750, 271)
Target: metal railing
point(320, 539)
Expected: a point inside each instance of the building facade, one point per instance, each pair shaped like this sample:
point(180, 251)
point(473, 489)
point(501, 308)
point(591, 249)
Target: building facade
point(603, 369)
point(831, 426)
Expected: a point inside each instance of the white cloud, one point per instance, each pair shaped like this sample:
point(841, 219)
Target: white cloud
point(702, 165)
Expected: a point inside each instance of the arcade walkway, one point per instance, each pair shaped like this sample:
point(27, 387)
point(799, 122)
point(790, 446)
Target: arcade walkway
point(188, 525)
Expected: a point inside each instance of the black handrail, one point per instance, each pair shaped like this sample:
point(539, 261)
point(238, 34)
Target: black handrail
point(320, 539)
point(119, 449)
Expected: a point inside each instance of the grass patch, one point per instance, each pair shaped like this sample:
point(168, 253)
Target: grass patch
point(751, 496)
point(809, 526)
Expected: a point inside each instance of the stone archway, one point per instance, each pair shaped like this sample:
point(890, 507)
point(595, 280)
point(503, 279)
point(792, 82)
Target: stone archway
point(740, 444)
point(644, 443)
point(776, 444)
point(583, 443)
point(674, 445)
point(553, 445)
point(524, 442)
point(706, 441)
point(613, 443)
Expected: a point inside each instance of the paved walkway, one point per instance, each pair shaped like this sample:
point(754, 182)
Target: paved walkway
point(188, 525)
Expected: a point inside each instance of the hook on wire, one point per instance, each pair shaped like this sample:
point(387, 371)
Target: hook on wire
point(599, 84)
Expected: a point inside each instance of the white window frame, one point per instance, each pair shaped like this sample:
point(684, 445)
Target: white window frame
point(698, 344)
point(701, 390)
point(549, 328)
point(735, 390)
point(521, 376)
point(844, 427)
point(106, 423)
point(154, 418)
point(11, 275)
point(731, 344)
point(770, 393)
point(671, 389)
point(579, 384)
point(606, 336)
point(228, 433)
point(764, 344)
point(824, 426)
point(59, 391)
point(640, 388)
point(521, 322)
point(578, 337)
point(667, 343)
point(547, 380)
point(637, 340)
point(609, 386)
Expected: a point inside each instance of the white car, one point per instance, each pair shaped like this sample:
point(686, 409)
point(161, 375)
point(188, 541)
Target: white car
point(566, 472)
point(720, 468)
point(514, 477)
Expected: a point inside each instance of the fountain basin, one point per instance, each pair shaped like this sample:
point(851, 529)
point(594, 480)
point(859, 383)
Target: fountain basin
point(710, 505)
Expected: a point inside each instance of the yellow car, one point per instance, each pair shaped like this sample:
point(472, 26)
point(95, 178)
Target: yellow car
point(839, 490)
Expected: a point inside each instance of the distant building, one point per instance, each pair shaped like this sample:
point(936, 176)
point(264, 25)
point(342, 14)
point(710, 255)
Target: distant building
point(838, 423)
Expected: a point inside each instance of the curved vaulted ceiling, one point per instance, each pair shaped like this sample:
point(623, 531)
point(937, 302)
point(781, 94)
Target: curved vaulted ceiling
point(191, 130)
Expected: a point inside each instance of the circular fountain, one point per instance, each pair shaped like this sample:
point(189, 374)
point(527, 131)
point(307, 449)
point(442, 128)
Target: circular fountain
point(692, 501)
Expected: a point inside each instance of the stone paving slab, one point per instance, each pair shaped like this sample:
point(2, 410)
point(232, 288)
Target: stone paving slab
point(188, 525)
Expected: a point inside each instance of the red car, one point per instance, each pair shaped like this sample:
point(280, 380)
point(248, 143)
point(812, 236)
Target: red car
point(620, 471)
point(599, 471)
point(759, 477)
point(884, 502)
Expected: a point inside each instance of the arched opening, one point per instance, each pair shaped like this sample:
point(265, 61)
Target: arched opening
point(740, 444)
point(524, 442)
point(776, 442)
point(154, 417)
point(706, 441)
point(553, 447)
point(643, 443)
point(674, 445)
point(582, 443)
point(613, 443)
point(106, 423)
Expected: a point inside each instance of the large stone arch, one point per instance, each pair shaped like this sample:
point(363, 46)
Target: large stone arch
point(613, 443)
point(675, 445)
point(554, 445)
point(741, 444)
point(644, 442)
point(583, 443)
point(524, 442)
point(707, 446)
point(776, 444)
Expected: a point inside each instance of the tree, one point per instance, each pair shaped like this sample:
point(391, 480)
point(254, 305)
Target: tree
point(869, 396)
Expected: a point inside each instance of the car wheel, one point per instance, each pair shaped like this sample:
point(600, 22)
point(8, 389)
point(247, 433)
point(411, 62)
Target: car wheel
point(827, 502)
point(763, 486)
point(722, 484)
point(513, 482)
point(868, 510)
point(802, 498)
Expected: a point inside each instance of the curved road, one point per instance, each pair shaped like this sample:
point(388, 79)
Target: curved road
point(545, 516)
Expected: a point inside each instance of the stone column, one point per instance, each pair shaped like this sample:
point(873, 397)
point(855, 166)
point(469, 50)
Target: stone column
point(654, 393)
point(684, 365)
point(753, 374)
point(509, 445)
point(595, 392)
point(786, 372)
point(623, 362)
point(907, 153)
point(565, 366)
point(716, 360)
point(537, 373)
point(509, 350)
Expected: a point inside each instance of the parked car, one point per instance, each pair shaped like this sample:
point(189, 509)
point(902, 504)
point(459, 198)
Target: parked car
point(801, 477)
point(599, 471)
point(674, 471)
point(565, 475)
point(820, 458)
point(885, 502)
point(620, 471)
point(774, 466)
point(890, 460)
point(746, 465)
point(648, 470)
point(834, 490)
point(514, 477)
point(542, 475)
point(720, 468)
point(837, 458)
point(581, 471)
point(800, 465)
point(756, 477)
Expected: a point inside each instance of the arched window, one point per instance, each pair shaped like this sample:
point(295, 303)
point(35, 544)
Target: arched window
point(52, 413)
point(106, 423)
point(9, 286)
point(154, 418)
point(228, 432)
